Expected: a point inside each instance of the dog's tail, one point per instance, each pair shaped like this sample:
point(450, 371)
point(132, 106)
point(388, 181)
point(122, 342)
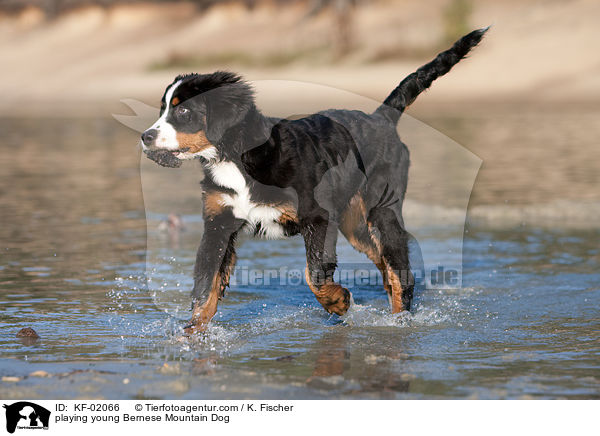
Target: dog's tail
point(417, 82)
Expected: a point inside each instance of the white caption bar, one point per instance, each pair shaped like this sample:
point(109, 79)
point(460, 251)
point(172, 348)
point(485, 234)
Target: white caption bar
point(24, 417)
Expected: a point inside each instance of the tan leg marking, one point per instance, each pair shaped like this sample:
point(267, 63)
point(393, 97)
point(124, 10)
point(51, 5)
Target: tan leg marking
point(288, 213)
point(396, 289)
point(332, 296)
point(355, 218)
point(212, 203)
point(227, 274)
point(391, 281)
point(203, 313)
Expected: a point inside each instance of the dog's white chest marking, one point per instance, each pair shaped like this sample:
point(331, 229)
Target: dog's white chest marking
point(228, 175)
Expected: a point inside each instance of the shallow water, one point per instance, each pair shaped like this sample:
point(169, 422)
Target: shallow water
point(78, 247)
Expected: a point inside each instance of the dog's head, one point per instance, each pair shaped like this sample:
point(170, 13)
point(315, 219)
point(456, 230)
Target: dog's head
point(195, 113)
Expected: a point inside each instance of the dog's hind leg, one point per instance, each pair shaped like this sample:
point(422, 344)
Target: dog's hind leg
point(320, 238)
point(389, 235)
point(355, 228)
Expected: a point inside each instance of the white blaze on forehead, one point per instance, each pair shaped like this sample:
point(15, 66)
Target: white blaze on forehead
point(167, 135)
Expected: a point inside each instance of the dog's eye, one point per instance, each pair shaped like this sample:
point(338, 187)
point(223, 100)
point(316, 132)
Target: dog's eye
point(181, 111)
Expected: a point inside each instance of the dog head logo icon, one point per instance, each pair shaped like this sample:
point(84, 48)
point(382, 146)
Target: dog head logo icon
point(26, 415)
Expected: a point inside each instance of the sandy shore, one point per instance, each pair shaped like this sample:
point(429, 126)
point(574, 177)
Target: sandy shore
point(86, 61)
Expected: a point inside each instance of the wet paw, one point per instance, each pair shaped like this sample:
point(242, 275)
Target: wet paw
point(195, 328)
point(334, 298)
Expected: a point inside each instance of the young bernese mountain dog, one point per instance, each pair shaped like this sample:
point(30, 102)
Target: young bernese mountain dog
point(336, 169)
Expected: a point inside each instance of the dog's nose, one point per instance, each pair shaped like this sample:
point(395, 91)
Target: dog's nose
point(149, 136)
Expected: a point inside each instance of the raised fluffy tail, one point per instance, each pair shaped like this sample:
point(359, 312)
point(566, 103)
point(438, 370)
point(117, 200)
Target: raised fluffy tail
point(417, 82)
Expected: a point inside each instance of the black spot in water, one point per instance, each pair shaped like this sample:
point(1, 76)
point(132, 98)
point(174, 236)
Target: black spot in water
point(27, 332)
point(285, 358)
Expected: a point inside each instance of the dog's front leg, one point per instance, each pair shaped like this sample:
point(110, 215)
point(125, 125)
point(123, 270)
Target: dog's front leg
point(320, 236)
point(214, 263)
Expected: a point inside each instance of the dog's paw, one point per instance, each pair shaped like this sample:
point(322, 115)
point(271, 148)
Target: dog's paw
point(195, 328)
point(334, 298)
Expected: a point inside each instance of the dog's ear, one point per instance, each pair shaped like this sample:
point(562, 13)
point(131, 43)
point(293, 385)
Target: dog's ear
point(226, 106)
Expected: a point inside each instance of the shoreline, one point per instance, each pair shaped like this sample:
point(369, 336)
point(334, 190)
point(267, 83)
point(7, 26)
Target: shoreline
point(87, 60)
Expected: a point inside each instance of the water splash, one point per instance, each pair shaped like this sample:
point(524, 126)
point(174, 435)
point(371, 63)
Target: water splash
point(371, 316)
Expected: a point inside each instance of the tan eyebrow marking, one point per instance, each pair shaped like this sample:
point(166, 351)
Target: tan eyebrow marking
point(175, 101)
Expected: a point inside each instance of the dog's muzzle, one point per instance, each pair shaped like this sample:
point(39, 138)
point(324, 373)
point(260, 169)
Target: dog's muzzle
point(162, 157)
point(149, 137)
